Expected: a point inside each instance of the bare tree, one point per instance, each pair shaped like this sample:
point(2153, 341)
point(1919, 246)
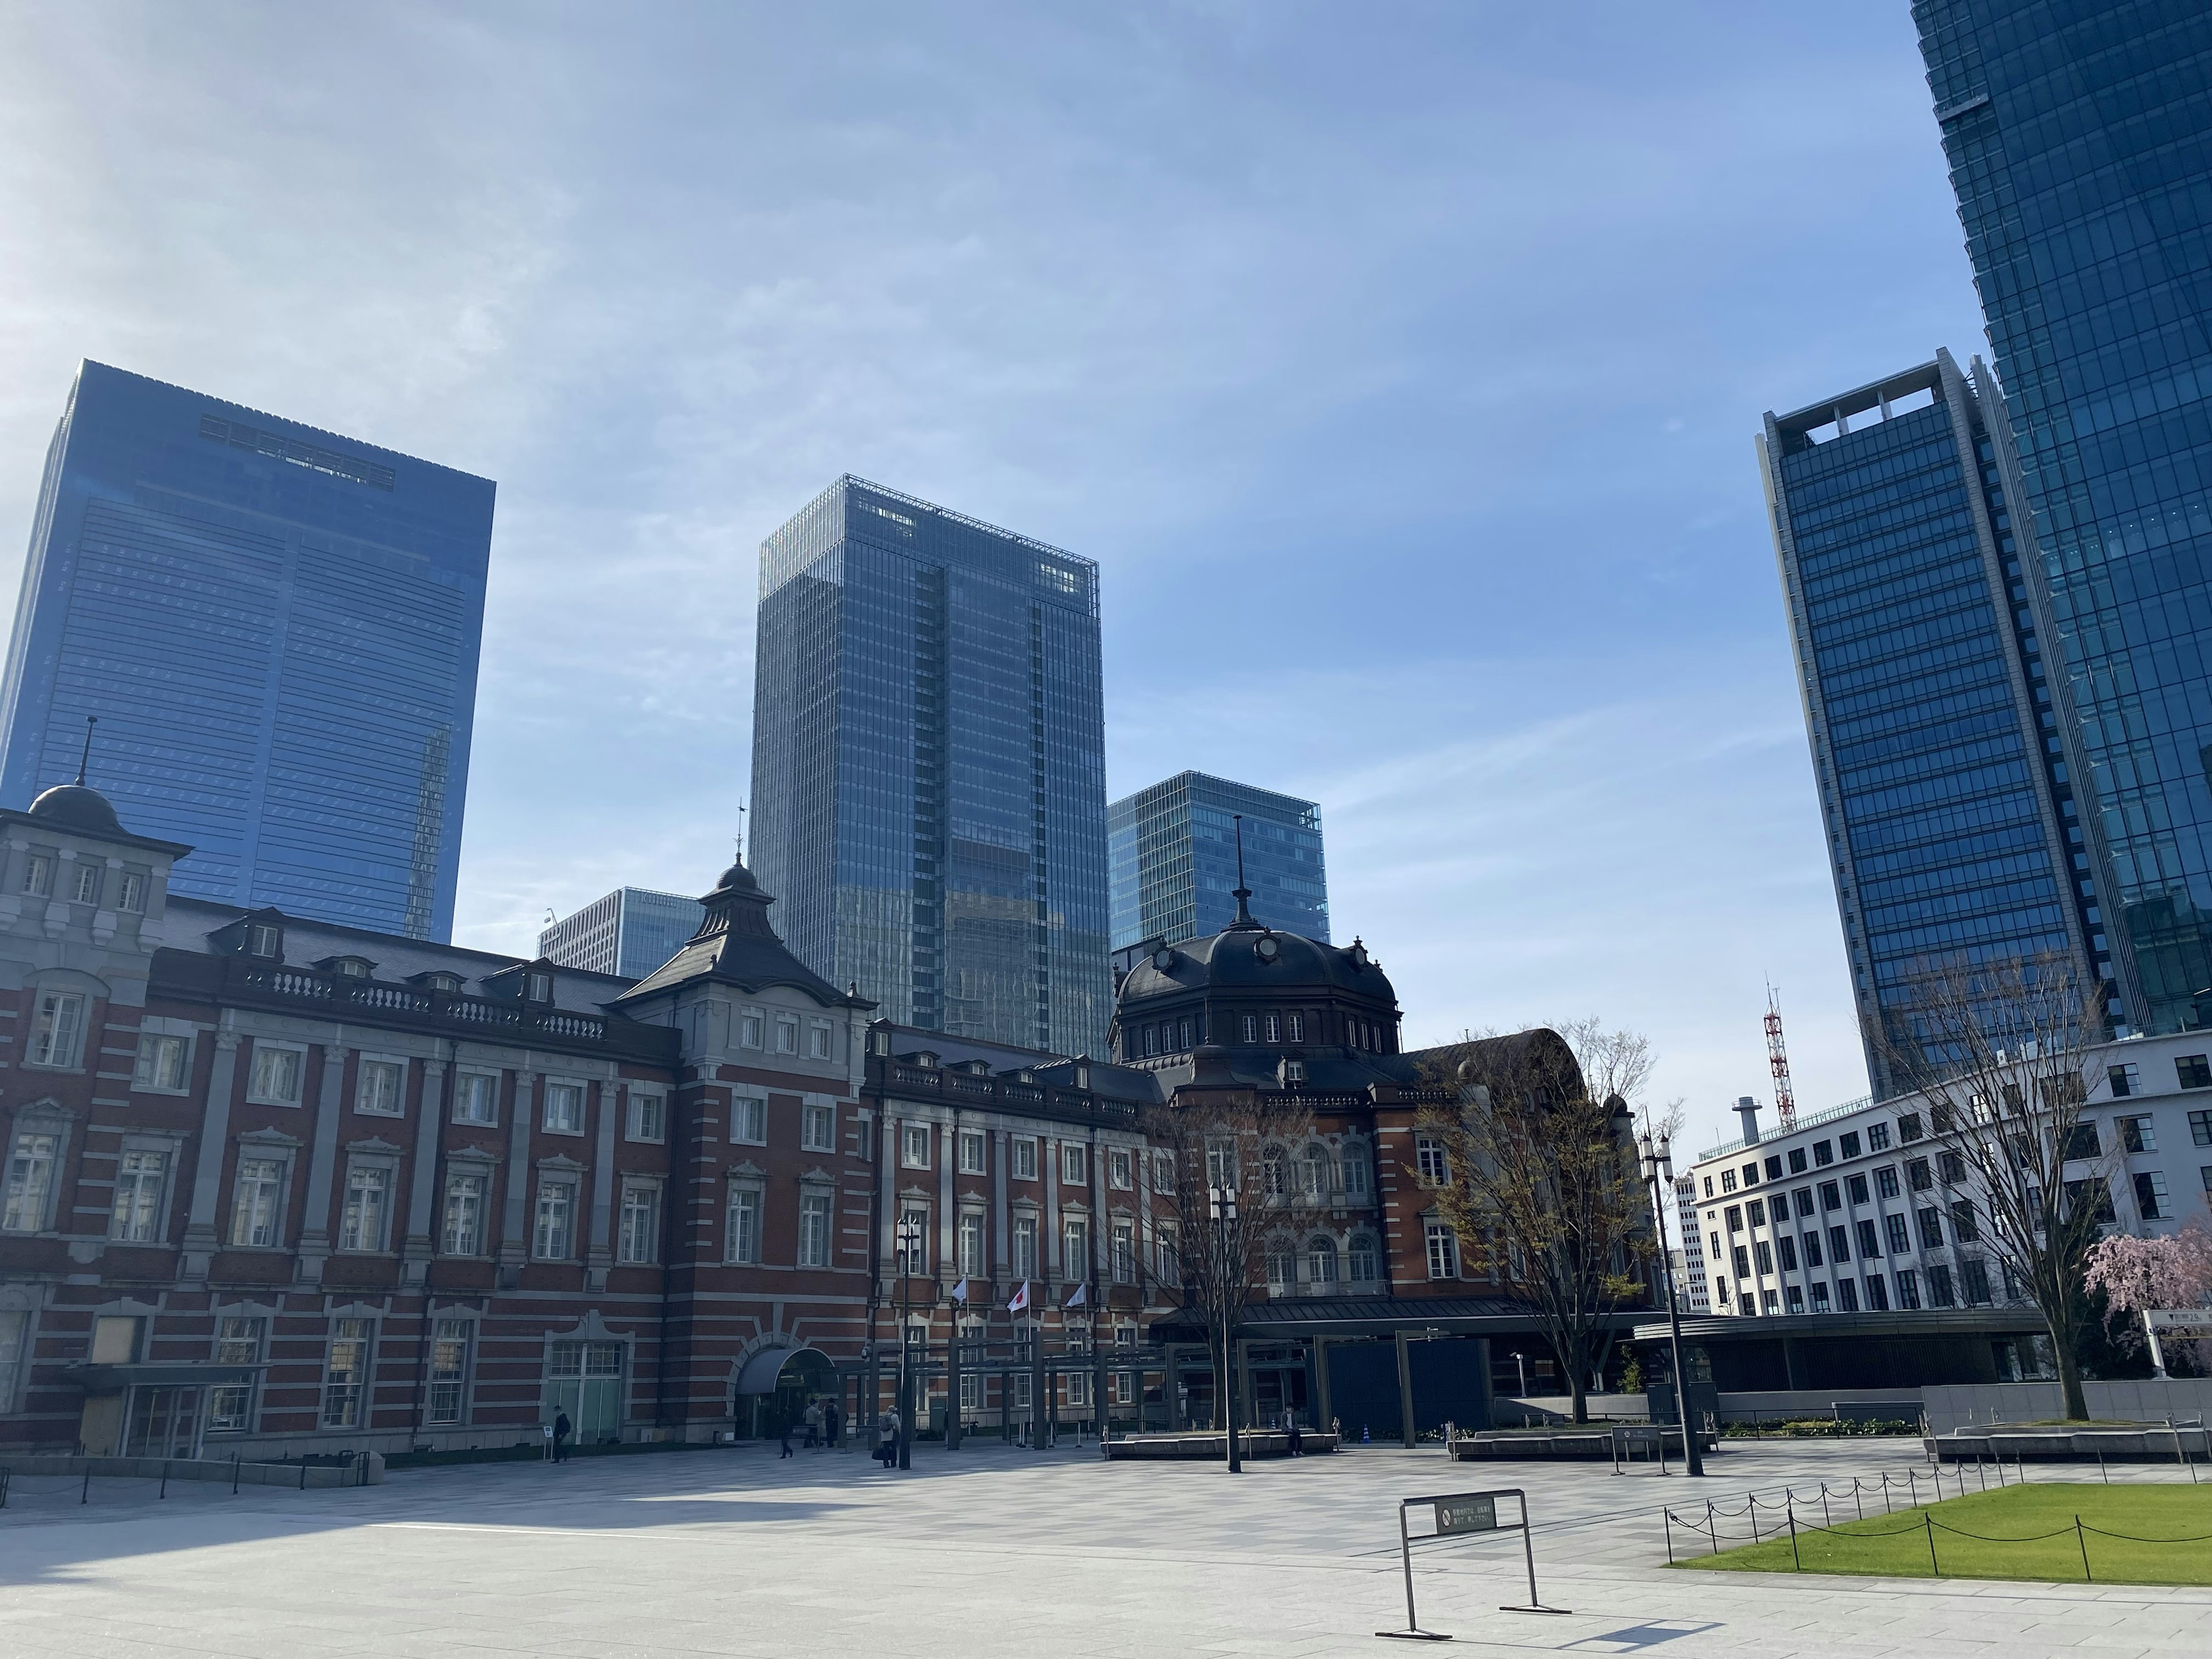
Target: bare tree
point(1242, 1143)
point(1540, 1180)
point(2002, 1054)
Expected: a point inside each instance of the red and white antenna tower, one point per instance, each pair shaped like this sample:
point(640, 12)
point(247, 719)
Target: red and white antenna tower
point(1778, 1057)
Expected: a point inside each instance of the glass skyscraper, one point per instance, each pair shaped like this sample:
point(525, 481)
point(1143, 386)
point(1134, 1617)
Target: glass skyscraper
point(929, 773)
point(277, 630)
point(1954, 833)
point(630, 932)
point(2079, 134)
point(1172, 851)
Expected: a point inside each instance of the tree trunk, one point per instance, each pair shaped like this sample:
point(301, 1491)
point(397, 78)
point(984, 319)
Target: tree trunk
point(1579, 1385)
point(2069, 1380)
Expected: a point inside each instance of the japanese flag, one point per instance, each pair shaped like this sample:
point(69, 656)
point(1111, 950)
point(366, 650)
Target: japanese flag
point(1021, 1302)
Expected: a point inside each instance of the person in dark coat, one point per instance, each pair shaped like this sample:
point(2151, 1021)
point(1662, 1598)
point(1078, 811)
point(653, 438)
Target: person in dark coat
point(786, 1452)
point(562, 1428)
point(833, 1424)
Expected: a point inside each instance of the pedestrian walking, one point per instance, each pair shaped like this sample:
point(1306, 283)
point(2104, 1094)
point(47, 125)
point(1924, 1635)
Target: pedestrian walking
point(562, 1428)
point(833, 1424)
point(1296, 1434)
point(814, 1425)
point(786, 1452)
point(887, 1424)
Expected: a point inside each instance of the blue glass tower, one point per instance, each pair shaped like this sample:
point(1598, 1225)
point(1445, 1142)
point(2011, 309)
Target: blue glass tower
point(2079, 134)
point(1953, 830)
point(929, 769)
point(278, 629)
point(1172, 851)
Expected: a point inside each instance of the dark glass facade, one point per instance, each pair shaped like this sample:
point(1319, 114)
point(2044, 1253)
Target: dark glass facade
point(929, 772)
point(1951, 825)
point(2079, 142)
point(1172, 852)
point(630, 932)
point(278, 629)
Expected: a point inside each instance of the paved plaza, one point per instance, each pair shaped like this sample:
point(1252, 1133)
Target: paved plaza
point(978, 1554)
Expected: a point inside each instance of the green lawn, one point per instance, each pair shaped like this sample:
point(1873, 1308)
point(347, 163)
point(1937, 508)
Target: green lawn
point(1896, 1546)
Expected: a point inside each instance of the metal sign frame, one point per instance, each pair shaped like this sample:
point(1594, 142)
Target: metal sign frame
point(1461, 1514)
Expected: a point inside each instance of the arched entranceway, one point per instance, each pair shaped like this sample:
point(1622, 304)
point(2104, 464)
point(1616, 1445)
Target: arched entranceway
point(775, 1385)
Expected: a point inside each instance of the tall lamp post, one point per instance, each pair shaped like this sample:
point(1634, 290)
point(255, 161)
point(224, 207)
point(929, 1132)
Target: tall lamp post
point(1221, 1205)
point(1659, 1166)
point(907, 1234)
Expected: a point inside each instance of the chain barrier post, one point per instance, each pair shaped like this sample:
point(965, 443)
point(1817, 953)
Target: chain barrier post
point(2086, 1576)
point(1797, 1560)
point(1928, 1522)
point(1712, 1527)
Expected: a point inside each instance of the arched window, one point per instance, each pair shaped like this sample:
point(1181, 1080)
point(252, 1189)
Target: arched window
point(1321, 1262)
point(1366, 1261)
point(1282, 1266)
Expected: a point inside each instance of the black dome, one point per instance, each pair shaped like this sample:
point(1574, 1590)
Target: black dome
point(1257, 959)
point(74, 807)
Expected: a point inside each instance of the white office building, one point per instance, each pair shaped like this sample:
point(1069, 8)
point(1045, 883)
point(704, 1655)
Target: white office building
point(1856, 1209)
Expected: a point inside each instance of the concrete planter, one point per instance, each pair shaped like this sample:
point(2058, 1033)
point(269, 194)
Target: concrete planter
point(1213, 1447)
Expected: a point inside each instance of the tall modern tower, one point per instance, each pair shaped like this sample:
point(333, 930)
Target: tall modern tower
point(1172, 851)
point(1954, 830)
point(2079, 134)
point(277, 631)
point(929, 773)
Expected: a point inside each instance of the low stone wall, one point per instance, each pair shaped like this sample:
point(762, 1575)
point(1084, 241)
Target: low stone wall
point(2183, 1399)
point(300, 1476)
point(2145, 1445)
point(1213, 1447)
point(1571, 1444)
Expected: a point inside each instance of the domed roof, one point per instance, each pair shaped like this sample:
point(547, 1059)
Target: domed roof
point(74, 807)
point(1252, 958)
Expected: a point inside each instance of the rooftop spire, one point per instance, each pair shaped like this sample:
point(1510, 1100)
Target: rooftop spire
point(85, 759)
point(1241, 894)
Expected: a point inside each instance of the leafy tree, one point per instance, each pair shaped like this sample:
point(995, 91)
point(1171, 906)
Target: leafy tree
point(2137, 1275)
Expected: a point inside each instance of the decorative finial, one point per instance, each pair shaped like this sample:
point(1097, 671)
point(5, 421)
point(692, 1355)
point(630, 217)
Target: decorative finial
point(741, 832)
point(1241, 894)
point(85, 759)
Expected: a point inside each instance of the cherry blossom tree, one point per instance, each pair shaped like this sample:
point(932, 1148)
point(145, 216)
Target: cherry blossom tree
point(2139, 1274)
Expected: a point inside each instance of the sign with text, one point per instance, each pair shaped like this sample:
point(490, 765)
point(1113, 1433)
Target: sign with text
point(1466, 1514)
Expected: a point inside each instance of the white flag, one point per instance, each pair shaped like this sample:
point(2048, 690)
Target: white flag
point(960, 1292)
point(1021, 1302)
point(1081, 1298)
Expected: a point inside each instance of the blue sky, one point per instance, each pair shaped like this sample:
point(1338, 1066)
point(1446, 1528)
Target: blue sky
point(1398, 365)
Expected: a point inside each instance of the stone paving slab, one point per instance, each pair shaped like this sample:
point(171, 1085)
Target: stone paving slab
point(984, 1552)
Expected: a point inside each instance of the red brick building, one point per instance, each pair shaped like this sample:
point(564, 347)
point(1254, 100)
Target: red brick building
point(276, 1185)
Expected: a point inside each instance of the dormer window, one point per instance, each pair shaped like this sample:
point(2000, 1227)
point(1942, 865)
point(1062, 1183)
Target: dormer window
point(132, 898)
point(348, 967)
point(87, 884)
point(1294, 1071)
point(263, 940)
point(540, 988)
point(442, 981)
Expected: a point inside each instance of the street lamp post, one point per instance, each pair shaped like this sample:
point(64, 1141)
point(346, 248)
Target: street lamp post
point(908, 1236)
point(1659, 1166)
point(1221, 1205)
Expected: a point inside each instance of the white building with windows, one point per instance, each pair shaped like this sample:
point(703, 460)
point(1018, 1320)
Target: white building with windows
point(1855, 1210)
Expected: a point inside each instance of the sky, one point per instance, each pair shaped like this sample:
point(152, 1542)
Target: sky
point(1398, 366)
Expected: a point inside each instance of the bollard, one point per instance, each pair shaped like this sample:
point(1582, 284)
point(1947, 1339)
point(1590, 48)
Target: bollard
point(234, 1474)
point(85, 1497)
point(165, 1478)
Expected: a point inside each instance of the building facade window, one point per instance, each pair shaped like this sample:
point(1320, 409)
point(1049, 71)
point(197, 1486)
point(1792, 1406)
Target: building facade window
point(30, 1180)
point(970, 1241)
point(450, 1345)
point(1074, 1248)
point(914, 1145)
point(238, 1341)
point(132, 897)
point(1021, 1154)
point(1074, 1166)
point(141, 1180)
point(564, 1109)
point(56, 1031)
point(274, 1078)
point(362, 1224)
point(1120, 1168)
point(345, 1374)
point(1442, 1249)
point(464, 1233)
point(1122, 1250)
point(786, 1034)
point(1429, 1158)
point(1363, 1260)
point(973, 1151)
point(638, 1238)
point(817, 1127)
point(39, 875)
point(162, 1063)
point(476, 1097)
point(911, 1242)
point(1023, 1247)
point(554, 1236)
point(256, 1204)
point(380, 1092)
point(742, 1234)
point(644, 1120)
point(748, 1120)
